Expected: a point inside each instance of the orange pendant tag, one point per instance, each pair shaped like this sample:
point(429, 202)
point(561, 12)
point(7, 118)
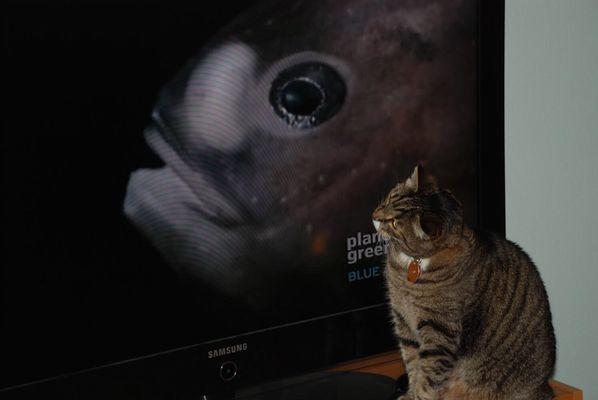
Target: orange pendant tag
point(413, 271)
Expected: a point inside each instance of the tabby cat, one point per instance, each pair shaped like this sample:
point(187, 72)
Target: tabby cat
point(470, 310)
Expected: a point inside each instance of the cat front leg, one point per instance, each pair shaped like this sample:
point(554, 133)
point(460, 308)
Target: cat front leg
point(409, 347)
point(437, 357)
point(410, 355)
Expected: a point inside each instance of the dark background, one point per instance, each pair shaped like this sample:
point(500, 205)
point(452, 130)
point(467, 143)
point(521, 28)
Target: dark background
point(81, 79)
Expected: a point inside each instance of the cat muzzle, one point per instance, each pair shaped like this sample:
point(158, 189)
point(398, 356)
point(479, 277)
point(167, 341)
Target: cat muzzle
point(376, 224)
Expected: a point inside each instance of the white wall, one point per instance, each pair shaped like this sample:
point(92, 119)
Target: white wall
point(551, 151)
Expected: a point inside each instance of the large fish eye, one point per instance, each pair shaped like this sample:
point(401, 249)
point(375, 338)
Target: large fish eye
point(307, 94)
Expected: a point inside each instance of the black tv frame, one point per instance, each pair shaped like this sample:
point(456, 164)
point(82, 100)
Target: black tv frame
point(278, 353)
point(491, 153)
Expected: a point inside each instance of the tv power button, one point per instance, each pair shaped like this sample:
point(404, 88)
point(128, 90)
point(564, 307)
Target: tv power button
point(228, 371)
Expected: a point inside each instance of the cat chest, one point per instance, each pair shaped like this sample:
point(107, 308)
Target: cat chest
point(405, 306)
point(415, 305)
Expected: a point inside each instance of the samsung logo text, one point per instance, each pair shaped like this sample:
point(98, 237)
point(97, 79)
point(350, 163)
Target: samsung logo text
point(227, 350)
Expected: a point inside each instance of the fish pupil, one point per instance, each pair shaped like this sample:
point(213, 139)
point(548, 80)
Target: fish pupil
point(302, 97)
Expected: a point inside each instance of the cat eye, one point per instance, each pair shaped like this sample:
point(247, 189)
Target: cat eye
point(395, 224)
point(307, 94)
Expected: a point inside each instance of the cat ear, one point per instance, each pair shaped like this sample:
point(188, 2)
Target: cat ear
point(413, 181)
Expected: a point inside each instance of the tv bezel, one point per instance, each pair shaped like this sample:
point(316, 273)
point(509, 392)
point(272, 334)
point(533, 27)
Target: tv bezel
point(276, 353)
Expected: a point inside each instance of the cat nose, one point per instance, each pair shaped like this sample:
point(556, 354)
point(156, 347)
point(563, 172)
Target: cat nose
point(377, 218)
point(378, 215)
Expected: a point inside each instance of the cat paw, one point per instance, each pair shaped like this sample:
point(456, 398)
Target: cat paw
point(406, 396)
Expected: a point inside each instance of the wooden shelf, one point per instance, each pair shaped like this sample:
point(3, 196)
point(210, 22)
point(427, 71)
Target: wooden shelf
point(391, 365)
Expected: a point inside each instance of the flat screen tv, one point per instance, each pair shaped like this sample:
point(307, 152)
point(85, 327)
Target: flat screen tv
point(188, 186)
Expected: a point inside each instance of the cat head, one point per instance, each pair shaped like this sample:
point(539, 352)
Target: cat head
point(418, 217)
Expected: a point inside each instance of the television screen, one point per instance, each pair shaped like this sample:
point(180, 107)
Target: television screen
point(170, 182)
point(280, 137)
